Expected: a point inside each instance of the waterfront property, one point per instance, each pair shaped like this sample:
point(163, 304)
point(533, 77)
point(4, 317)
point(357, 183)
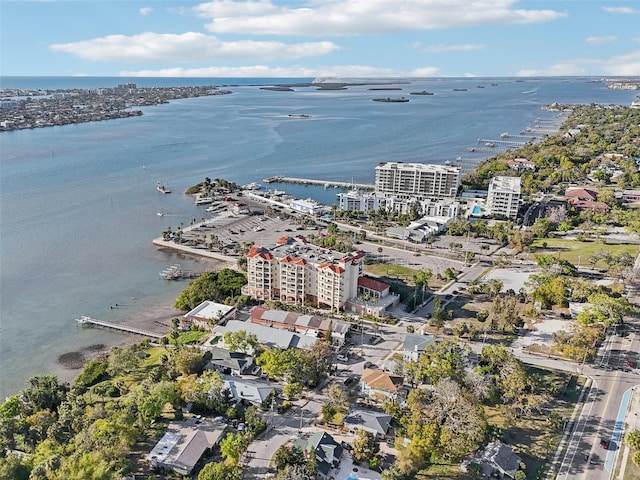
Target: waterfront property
point(296, 271)
point(208, 313)
point(421, 181)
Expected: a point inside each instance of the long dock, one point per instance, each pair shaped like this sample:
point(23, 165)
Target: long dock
point(87, 321)
point(324, 183)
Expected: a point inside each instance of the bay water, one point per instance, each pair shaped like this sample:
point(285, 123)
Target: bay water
point(78, 203)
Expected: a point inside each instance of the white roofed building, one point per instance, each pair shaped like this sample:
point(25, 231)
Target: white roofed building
point(209, 313)
point(504, 196)
point(416, 180)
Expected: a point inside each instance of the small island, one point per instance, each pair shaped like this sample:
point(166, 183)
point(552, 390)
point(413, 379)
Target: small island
point(391, 100)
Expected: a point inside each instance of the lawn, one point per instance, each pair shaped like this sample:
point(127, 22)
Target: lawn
point(632, 471)
point(578, 252)
point(391, 270)
point(533, 436)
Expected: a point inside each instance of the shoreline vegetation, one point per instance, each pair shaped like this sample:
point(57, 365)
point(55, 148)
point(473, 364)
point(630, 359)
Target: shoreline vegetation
point(102, 424)
point(26, 109)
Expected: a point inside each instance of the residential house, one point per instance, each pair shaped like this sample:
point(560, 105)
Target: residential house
point(376, 423)
point(226, 362)
point(377, 385)
point(498, 461)
point(414, 345)
point(184, 444)
point(209, 313)
point(326, 450)
point(253, 392)
point(271, 337)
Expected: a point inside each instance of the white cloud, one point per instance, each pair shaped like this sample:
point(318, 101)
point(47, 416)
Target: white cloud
point(601, 40)
point(337, 71)
point(144, 11)
point(186, 47)
point(622, 10)
point(353, 17)
point(556, 70)
point(441, 48)
point(627, 64)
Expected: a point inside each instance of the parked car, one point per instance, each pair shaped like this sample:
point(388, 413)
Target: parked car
point(241, 427)
point(604, 444)
point(348, 380)
point(342, 358)
point(368, 365)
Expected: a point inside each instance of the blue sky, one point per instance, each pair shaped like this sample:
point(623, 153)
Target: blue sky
point(319, 38)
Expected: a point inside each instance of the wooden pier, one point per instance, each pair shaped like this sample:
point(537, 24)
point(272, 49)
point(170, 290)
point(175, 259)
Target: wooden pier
point(323, 183)
point(87, 321)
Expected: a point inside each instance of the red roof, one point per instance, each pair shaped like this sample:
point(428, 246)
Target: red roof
point(372, 284)
point(296, 260)
point(260, 252)
point(581, 194)
point(332, 267)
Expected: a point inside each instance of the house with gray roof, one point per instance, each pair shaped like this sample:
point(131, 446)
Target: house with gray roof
point(184, 443)
point(497, 460)
point(247, 390)
point(229, 363)
point(326, 450)
point(414, 345)
point(311, 325)
point(376, 423)
point(269, 336)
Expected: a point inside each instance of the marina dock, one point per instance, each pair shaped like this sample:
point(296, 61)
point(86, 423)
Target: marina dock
point(323, 183)
point(87, 321)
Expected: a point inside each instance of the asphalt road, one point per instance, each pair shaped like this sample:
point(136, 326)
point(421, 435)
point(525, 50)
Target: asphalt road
point(603, 414)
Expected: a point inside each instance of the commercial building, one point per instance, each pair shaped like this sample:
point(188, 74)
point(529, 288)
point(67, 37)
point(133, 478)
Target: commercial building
point(504, 196)
point(295, 272)
point(418, 181)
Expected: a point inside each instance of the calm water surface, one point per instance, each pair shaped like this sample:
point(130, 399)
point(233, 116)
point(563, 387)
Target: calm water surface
point(78, 203)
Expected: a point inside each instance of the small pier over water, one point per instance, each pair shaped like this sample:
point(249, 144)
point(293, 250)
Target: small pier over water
point(501, 143)
point(323, 183)
point(87, 321)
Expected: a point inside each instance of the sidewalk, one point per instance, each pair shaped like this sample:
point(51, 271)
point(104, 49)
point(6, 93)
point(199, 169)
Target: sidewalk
point(631, 422)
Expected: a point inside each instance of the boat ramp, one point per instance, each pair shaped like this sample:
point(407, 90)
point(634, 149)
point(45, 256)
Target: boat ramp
point(87, 321)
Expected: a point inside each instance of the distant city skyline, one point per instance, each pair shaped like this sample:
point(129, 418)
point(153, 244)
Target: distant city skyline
point(320, 38)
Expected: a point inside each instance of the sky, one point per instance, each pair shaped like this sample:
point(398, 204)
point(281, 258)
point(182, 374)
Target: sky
point(319, 38)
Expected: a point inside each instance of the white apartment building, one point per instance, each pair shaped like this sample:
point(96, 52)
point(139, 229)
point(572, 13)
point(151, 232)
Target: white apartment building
point(295, 271)
point(504, 196)
point(359, 201)
point(418, 181)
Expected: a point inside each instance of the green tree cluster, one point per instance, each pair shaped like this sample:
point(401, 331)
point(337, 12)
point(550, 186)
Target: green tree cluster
point(216, 286)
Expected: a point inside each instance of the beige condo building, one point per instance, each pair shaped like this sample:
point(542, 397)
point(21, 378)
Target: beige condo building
point(295, 272)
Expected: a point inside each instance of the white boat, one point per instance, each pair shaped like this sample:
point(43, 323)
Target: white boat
point(160, 213)
point(162, 189)
point(252, 186)
point(203, 200)
point(635, 104)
